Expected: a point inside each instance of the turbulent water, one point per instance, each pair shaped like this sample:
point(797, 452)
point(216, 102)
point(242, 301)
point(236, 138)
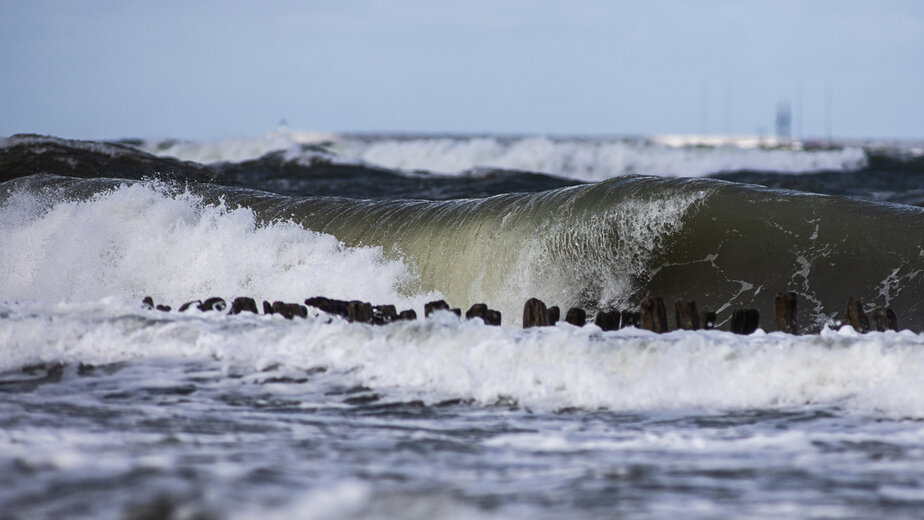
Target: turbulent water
point(113, 410)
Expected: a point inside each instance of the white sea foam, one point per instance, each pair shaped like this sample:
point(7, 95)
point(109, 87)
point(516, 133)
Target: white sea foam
point(141, 239)
point(543, 369)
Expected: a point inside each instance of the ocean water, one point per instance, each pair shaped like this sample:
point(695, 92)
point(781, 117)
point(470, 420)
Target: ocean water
point(111, 409)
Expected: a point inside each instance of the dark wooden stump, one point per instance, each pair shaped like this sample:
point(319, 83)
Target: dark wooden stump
point(707, 320)
point(608, 320)
point(284, 309)
point(164, 308)
point(243, 303)
point(653, 314)
point(360, 312)
point(745, 321)
point(630, 319)
point(147, 302)
point(330, 305)
point(409, 315)
point(430, 308)
point(477, 310)
point(384, 314)
point(885, 319)
point(784, 311)
point(554, 314)
point(856, 318)
point(686, 315)
point(576, 316)
point(535, 313)
point(213, 304)
point(267, 307)
point(480, 310)
point(187, 305)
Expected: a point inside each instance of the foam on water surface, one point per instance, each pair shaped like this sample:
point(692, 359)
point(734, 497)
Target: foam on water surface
point(545, 369)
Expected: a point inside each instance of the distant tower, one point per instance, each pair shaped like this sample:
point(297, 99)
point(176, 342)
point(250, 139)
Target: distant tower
point(783, 122)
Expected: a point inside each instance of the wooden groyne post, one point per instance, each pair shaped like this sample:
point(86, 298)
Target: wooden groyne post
point(784, 312)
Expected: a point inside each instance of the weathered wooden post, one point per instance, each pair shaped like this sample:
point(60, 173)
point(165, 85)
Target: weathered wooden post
point(607, 320)
point(360, 312)
point(187, 305)
point(148, 303)
point(243, 303)
point(492, 317)
point(856, 318)
point(686, 315)
point(383, 314)
point(477, 310)
point(630, 318)
point(784, 311)
point(745, 321)
point(554, 314)
point(481, 310)
point(707, 320)
point(409, 315)
point(885, 319)
point(576, 316)
point(438, 305)
point(653, 314)
point(267, 307)
point(535, 313)
point(283, 308)
point(329, 305)
point(299, 310)
point(213, 304)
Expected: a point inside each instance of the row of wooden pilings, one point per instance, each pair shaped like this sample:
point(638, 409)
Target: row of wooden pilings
point(650, 315)
point(352, 310)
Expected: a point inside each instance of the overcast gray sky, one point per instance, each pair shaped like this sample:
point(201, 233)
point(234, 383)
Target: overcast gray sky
point(211, 69)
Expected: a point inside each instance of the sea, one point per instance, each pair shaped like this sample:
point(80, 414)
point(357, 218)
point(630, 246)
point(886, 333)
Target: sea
point(113, 408)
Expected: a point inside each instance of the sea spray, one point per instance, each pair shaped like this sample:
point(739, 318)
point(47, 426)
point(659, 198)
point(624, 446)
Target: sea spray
point(144, 239)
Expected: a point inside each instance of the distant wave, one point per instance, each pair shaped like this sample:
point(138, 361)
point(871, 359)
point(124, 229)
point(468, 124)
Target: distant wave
point(582, 159)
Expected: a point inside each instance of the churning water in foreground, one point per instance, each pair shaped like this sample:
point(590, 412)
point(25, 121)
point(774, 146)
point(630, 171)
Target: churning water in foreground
point(112, 410)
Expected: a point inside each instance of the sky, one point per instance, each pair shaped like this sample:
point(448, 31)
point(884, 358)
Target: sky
point(207, 69)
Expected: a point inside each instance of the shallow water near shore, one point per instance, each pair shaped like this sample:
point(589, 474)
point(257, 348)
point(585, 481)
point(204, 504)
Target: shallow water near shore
point(109, 409)
point(118, 411)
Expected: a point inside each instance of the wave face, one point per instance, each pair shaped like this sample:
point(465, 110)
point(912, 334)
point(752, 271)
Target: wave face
point(612, 243)
point(599, 246)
